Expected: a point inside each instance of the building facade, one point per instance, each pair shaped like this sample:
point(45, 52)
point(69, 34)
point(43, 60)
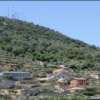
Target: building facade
point(78, 81)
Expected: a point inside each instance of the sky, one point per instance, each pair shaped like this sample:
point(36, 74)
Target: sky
point(76, 19)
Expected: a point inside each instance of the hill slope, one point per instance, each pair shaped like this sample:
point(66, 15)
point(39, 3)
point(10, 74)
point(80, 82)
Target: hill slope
point(28, 42)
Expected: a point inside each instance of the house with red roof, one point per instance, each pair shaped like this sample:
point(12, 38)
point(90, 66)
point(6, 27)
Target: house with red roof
point(70, 89)
point(76, 89)
point(78, 81)
point(62, 73)
point(12, 65)
point(61, 70)
point(95, 75)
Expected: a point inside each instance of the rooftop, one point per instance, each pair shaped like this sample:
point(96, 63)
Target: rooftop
point(78, 79)
point(15, 72)
point(77, 88)
point(58, 70)
point(7, 84)
point(94, 98)
point(71, 88)
point(52, 94)
point(9, 64)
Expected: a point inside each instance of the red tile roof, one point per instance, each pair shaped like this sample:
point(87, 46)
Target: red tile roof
point(76, 88)
point(78, 79)
point(61, 69)
point(58, 70)
point(69, 88)
point(11, 64)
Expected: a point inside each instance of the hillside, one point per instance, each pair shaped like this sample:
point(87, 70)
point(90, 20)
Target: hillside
point(25, 42)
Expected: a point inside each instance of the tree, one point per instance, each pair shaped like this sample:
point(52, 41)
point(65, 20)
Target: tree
point(7, 97)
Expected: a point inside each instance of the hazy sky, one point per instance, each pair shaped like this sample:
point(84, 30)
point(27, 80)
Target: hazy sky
point(76, 19)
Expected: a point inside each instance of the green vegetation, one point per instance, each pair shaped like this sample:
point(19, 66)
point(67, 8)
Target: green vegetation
point(53, 98)
point(5, 97)
point(9, 77)
point(24, 42)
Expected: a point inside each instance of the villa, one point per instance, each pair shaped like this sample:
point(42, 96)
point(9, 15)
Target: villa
point(78, 81)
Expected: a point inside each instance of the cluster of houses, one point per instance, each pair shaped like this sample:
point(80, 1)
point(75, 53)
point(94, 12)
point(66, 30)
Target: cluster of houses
point(76, 83)
point(61, 73)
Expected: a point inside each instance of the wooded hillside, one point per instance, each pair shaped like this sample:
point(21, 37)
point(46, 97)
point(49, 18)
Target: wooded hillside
point(19, 39)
